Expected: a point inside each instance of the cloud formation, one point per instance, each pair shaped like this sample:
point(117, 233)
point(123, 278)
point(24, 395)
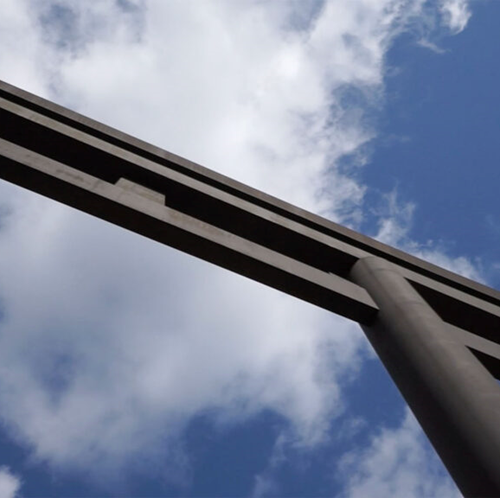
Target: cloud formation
point(9, 483)
point(109, 343)
point(398, 462)
point(456, 14)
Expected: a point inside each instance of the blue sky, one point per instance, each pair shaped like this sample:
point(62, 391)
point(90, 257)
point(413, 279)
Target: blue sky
point(127, 369)
point(442, 105)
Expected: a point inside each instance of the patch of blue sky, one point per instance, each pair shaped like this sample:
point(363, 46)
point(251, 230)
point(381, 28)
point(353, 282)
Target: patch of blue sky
point(226, 460)
point(437, 148)
point(37, 477)
point(440, 128)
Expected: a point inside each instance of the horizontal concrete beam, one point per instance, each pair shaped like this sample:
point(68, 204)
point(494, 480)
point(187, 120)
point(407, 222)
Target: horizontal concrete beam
point(141, 210)
point(108, 155)
point(486, 351)
point(224, 184)
point(429, 326)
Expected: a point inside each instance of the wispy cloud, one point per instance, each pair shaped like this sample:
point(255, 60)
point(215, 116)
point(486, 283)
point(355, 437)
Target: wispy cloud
point(9, 483)
point(397, 462)
point(456, 14)
point(395, 220)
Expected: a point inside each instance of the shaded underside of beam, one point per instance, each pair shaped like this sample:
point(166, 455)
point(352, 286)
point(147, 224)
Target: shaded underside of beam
point(36, 132)
point(111, 136)
point(144, 215)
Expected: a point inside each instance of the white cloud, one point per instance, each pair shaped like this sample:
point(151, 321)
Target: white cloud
point(430, 20)
point(394, 228)
point(398, 462)
point(110, 343)
point(456, 14)
point(9, 483)
point(20, 56)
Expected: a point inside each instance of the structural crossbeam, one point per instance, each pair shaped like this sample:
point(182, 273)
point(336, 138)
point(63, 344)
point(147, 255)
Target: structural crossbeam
point(108, 155)
point(74, 160)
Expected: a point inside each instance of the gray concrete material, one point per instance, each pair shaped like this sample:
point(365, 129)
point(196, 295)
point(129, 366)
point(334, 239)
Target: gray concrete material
point(453, 396)
point(466, 311)
point(222, 183)
point(475, 342)
point(152, 195)
point(236, 215)
point(217, 207)
point(240, 216)
point(87, 165)
point(487, 352)
point(457, 307)
point(130, 209)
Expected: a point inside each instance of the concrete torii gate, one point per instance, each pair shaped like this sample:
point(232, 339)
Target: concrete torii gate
point(437, 333)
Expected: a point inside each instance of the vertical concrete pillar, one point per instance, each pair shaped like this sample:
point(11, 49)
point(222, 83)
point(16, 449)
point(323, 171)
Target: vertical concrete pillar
point(453, 396)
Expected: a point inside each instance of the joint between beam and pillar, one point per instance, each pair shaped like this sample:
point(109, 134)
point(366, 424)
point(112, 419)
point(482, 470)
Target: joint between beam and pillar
point(454, 397)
